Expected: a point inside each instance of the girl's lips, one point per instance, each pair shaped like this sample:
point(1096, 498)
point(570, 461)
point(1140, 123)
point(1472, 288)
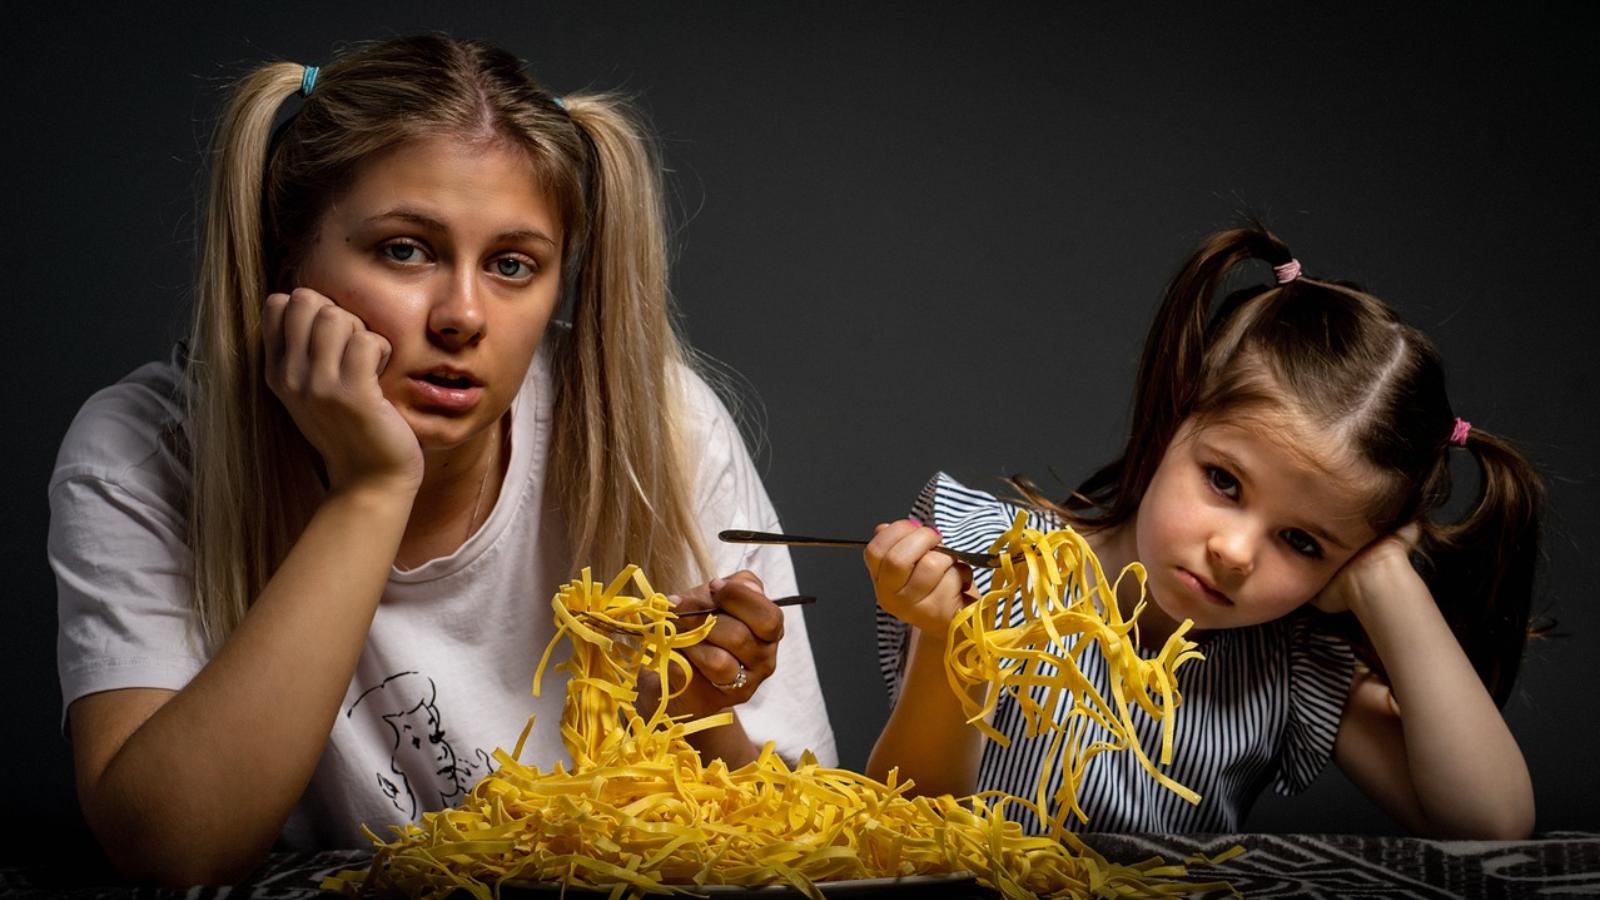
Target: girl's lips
point(447, 399)
point(1195, 585)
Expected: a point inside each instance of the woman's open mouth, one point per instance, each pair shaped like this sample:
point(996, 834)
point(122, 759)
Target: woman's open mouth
point(455, 382)
point(445, 389)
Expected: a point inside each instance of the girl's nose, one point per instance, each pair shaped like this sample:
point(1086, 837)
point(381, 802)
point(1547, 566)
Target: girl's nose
point(1233, 549)
point(456, 319)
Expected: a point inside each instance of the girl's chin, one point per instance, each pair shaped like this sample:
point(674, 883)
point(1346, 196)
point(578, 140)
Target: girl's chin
point(1168, 605)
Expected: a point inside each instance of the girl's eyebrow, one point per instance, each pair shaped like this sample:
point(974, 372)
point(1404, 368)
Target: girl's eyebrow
point(1318, 532)
point(429, 223)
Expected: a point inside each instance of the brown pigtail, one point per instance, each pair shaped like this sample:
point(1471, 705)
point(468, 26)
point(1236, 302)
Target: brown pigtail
point(1169, 378)
point(1481, 569)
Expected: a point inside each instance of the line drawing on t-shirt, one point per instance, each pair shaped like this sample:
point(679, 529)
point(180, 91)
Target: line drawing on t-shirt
point(408, 703)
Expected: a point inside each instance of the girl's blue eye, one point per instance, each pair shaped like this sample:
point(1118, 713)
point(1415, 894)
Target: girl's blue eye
point(1302, 543)
point(1222, 481)
point(511, 267)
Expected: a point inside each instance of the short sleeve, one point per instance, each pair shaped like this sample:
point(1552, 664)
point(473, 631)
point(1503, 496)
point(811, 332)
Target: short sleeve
point(117, 543)
point(1321, 666)
point(968, 520)
point(788, 709)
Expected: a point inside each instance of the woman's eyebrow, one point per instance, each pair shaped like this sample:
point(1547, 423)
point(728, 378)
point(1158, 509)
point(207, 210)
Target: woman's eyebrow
point(421, 220)
point(524, 234)
point(429, 223)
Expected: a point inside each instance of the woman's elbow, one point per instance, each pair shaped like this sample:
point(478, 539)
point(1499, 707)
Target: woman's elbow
point(149, 851)
point(180, 866)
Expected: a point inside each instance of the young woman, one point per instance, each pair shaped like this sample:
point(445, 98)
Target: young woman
point(305, 564)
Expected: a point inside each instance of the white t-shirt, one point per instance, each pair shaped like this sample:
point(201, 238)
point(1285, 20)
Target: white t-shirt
point(446, 672)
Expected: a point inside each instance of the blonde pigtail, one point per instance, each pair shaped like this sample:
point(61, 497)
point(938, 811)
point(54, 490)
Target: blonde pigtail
point(252, 451)
point(618, 460)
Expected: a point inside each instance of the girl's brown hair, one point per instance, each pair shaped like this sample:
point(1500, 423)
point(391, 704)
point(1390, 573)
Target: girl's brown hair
point(1327, 353)
point(617, 468)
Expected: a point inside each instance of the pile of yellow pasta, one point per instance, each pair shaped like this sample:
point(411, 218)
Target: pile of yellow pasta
point(1052, 585)
point(639, 813)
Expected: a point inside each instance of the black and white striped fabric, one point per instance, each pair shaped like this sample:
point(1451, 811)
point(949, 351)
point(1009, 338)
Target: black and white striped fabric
point(1262, 708)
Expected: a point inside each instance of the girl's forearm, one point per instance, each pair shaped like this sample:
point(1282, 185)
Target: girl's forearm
point(927, 736)
point(199, 792)
point(1466, 769)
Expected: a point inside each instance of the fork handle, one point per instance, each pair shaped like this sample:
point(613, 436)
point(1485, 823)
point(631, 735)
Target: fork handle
point(796, 600)
point(738, 536)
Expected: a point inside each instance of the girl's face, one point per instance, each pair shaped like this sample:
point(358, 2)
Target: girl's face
point(1234, 530)
point(451, 252)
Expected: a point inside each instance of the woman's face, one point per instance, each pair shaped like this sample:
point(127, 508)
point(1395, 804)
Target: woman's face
point(450, 251)
point(1234, 530)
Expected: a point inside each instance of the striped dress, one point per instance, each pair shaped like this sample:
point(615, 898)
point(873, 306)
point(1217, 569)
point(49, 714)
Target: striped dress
point(1262, 708)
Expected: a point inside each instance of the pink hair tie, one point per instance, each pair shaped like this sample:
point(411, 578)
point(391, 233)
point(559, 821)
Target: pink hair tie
point(1458, 434)
point(1287, 272)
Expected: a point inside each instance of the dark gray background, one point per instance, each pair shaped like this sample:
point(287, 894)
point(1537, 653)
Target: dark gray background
point(910, 229)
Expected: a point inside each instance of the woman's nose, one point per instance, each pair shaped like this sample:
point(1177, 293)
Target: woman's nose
point(456, 319)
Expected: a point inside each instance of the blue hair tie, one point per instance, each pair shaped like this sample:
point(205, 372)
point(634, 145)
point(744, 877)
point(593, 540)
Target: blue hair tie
point(559, 102)
point(308, 80)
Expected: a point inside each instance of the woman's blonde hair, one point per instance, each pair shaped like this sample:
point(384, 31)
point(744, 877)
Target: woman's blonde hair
point(617, 468)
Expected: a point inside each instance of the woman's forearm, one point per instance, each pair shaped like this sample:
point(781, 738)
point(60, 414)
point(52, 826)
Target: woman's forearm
point(927, 736)
point(1465, 767)
point(200, 790)
point(729, 743)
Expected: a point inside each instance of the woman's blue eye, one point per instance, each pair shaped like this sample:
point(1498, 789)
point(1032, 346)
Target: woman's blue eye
point(1303, 543)
point(400, 252)
point(511, 267)
point(1221, 481)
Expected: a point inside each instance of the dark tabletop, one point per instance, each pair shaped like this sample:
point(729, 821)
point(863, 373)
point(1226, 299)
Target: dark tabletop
point(1558, 864)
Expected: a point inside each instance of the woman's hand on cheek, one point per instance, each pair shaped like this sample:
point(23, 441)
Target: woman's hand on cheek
point(746, 634)
point(1362, 576)
point(323, 365)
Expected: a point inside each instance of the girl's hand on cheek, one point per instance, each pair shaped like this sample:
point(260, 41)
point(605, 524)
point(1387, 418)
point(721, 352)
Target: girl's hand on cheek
point(1362, 577)
point(922, 588)
point(323, 365)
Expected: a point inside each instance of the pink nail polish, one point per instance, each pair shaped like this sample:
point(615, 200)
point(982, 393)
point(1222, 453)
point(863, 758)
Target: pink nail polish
point(718, 583)
point(914, 520)
point(674, 599)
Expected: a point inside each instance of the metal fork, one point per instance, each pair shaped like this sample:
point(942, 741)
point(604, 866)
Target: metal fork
point(595, 622)
point(737, 536)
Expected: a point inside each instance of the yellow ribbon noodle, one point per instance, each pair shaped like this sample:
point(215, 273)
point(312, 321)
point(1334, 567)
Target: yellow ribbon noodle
point(1066, 606)
point(640, 813)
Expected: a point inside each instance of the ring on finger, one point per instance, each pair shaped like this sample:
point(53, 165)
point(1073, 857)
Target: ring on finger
point(738, 682)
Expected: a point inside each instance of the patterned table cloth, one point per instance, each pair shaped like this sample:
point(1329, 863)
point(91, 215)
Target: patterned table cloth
point(1337, 867)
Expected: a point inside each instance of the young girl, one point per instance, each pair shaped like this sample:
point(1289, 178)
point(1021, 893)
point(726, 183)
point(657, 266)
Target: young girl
point(305, 565)
point(1288, 453)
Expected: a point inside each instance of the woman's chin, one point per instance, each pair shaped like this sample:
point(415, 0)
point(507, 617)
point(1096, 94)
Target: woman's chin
point(438, 434)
